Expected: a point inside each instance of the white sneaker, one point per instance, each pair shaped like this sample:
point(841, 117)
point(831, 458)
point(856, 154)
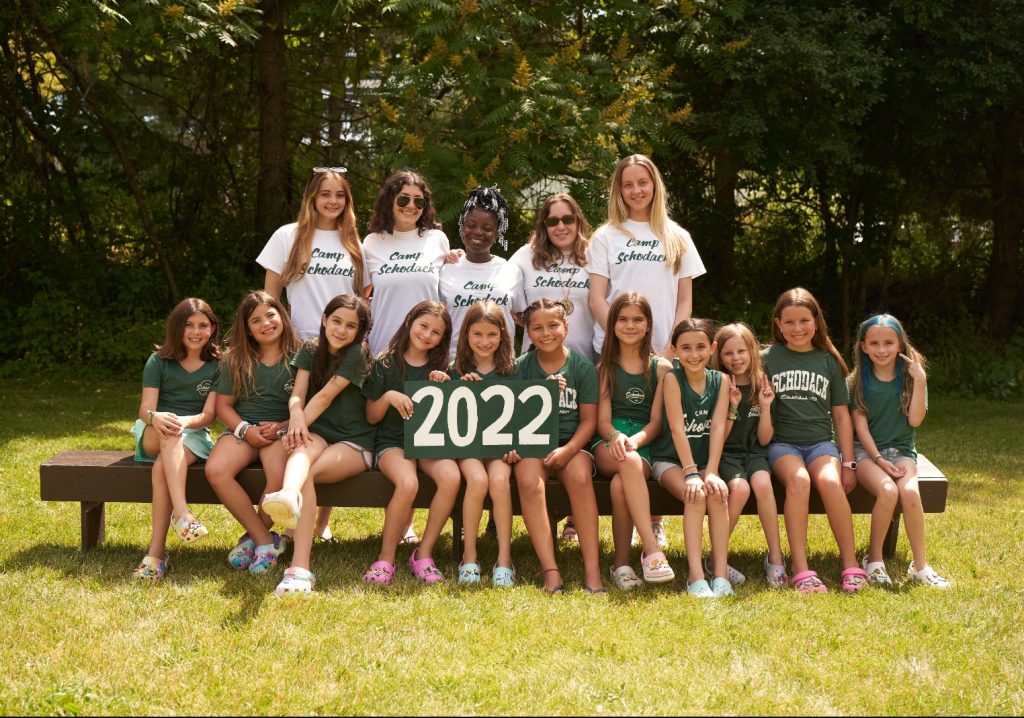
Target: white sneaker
point(283, 507)
point(625, 578)
point(928, 577)
point(659, 533)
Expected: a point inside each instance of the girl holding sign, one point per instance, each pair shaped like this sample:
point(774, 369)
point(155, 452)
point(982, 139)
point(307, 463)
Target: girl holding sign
point(484, 353)
point(328, 437)
point(547, 325)
point(418, 352)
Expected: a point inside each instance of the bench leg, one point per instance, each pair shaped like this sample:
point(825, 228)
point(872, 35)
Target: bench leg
point(457, 528)
point(891, 536)
point(93, 523)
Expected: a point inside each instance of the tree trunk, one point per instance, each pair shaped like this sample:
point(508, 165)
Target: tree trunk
point(724, 224)
point(1007, 185)
point(272, 183)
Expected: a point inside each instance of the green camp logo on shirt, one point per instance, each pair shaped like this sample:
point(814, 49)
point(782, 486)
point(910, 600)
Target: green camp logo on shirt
point(467, 300)
point(698, 427)
point(635, 396)
point(651, 255)
point(325, 269)
point(405, 268)
point(203, 387)
point(289, 385)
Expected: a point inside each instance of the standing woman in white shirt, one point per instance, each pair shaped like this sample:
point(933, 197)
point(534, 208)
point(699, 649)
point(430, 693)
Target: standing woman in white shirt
point(641, 249)
point(315, 259)
point(318, 256)
point(479, 275)
point(404, 252)
point(554, 266)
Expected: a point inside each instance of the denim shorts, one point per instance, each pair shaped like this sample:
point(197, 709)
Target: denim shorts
point(892, 454)
point(808, 453)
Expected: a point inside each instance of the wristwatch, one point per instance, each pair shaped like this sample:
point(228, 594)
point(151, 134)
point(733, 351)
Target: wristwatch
point(852, 465)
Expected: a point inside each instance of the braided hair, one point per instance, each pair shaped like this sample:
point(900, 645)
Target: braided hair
point(488, 199)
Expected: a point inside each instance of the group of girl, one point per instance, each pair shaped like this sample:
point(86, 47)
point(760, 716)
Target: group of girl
point(333, 406)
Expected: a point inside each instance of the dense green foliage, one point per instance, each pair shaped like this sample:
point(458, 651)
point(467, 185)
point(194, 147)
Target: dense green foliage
point(873, 152)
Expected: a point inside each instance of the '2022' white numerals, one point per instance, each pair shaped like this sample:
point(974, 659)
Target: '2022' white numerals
point(493, 434)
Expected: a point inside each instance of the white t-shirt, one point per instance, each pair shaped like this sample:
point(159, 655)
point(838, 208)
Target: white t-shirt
point(465, 283)
point(330, 273)
point(403, 269)
point(633, 260)
point(563, 279)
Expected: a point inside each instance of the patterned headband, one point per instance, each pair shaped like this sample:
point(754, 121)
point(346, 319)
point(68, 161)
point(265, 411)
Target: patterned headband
point(490, 200)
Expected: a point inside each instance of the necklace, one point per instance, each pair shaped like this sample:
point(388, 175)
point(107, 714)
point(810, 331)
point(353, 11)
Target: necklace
point(566, 302)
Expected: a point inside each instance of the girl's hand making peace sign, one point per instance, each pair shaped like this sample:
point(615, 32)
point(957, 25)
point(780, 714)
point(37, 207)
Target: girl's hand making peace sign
point(766, 395)
point(914, 367)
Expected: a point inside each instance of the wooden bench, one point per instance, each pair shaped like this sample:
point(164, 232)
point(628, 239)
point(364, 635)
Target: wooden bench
point(94, 478)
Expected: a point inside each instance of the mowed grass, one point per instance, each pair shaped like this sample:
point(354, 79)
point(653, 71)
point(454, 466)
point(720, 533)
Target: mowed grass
point(80, 636)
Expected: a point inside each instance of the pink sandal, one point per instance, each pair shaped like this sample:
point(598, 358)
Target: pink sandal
point(808, 582)
point(424, 569)
point(380, 573)
point(854, 579)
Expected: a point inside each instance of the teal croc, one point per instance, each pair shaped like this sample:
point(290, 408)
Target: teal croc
point(469, 574)
point(700, 589)
point(502, 577)
point(721, 587)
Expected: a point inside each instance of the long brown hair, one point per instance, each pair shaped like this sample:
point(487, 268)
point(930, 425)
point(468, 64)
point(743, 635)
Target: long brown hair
point(672, 236)
point(545, 253)
point(383, 219)
point(302, 248)
point(863, 374)
point(486, 310)
point(800, 297)
point(743, 332)
point(437, 358)
point(611, 350)
point(242, 352)
point(173, 347)
point(326, 364)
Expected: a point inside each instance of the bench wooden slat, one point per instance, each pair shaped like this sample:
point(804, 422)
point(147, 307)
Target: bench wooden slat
point(95, 477)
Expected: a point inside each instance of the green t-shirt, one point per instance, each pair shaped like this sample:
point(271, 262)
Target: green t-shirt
point(807, 386)
point(345, 418)
point(267, 399)
point(889, 426)
point(742, 439)
point(580, 388)
point(634, 393)
point(385, 376)
point(181, 392)
point(698, 410)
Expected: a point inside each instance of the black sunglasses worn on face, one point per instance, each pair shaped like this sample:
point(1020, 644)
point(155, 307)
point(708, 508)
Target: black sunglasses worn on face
point(567, 220)
point(402, 200)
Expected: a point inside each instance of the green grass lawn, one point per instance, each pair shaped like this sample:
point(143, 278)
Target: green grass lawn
point(81, 637)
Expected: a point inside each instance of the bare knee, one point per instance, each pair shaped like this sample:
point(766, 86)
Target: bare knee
point(887, 493)
point(910, 497)
point(799, 487)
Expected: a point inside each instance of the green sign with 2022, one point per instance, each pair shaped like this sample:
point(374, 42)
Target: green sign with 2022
point(481, 419)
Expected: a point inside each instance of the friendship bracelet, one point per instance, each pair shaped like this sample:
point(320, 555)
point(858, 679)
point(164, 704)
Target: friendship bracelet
point(693, 475)
point(689, 466)
point(240, 430)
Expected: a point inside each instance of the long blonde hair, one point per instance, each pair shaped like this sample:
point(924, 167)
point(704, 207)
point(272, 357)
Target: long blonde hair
point(242, 353)
point(302, 248)
point(743, 332)
point(862, 374)
point(671, 235)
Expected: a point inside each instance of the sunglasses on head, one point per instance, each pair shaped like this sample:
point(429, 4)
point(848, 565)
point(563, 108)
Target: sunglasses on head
point(403, 200)
point(322, 170)
point(566, 219)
